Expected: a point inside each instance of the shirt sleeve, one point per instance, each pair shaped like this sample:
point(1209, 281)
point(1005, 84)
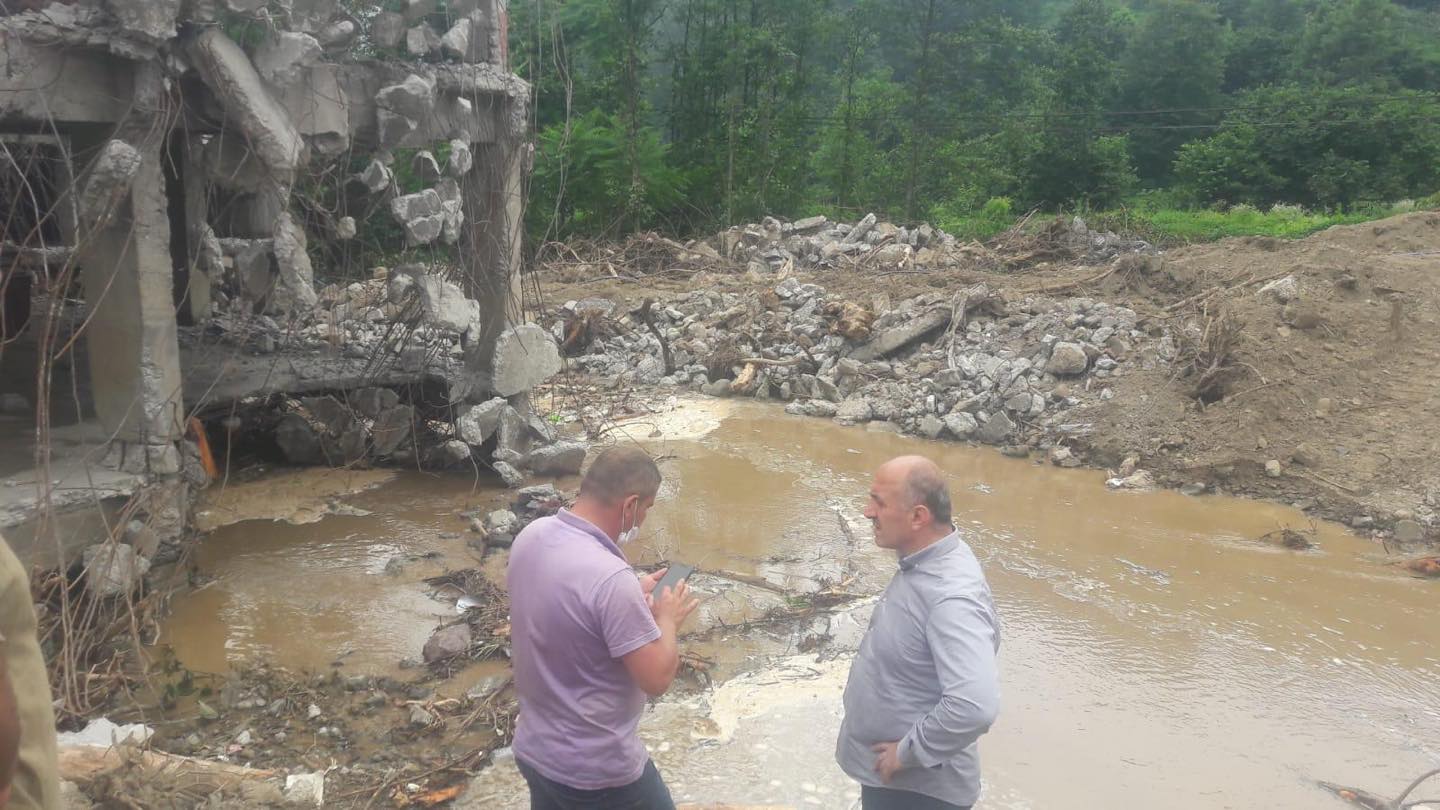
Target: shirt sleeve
point(962, 636)
point(626, 622)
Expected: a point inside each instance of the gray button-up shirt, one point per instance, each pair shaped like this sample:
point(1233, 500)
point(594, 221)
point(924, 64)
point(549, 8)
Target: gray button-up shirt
point(926, 676)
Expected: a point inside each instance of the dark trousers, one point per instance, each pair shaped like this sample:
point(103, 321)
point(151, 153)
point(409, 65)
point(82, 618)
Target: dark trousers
point(646, 793)
point(874, 798)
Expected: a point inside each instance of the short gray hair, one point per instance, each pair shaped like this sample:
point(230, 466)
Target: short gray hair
point(924, 486)
point(619, 472)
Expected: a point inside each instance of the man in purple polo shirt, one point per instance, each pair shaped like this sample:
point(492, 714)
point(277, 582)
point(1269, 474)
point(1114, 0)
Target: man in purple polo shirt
point(589, 642)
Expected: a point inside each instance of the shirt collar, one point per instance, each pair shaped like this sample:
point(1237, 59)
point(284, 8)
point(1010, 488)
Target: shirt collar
point(576, 522)
point(939, 548)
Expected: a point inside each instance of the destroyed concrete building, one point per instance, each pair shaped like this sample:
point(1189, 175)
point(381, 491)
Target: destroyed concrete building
point(179, 173)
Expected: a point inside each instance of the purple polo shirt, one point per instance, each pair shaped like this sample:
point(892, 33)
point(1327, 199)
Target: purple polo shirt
point(575, 609)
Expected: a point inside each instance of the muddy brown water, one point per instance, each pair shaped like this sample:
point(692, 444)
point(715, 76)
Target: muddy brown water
point(1155, 653)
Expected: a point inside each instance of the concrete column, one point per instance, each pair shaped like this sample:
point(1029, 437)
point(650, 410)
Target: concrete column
point(490, 248)
point(127, 275)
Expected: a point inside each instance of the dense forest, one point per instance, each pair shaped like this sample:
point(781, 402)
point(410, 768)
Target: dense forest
point(685, 115)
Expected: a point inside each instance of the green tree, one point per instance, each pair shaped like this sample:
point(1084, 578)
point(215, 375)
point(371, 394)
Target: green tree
point(1173, 73)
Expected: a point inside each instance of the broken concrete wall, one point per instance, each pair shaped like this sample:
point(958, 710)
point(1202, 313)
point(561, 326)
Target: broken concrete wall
point(193, 152)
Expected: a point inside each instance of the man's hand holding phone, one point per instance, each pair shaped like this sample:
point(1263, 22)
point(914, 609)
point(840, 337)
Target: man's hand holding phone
point(669, 596)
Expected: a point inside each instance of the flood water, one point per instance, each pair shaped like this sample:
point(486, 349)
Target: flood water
point(1155, 653)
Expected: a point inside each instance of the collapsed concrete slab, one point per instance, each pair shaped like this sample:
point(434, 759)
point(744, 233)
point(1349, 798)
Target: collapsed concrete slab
point(228, 72)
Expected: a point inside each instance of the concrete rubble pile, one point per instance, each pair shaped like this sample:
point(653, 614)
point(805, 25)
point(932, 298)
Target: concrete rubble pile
point(1005, 373)
point(774, 246)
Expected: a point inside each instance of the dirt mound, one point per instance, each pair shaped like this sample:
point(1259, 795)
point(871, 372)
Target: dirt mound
point(1335, 361)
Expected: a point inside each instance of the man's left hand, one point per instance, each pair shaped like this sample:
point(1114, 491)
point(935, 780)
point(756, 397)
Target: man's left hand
point(647, 582)
point(887, 760)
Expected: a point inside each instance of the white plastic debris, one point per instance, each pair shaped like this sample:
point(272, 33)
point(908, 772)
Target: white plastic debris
point(104, 734)
point(305, 788)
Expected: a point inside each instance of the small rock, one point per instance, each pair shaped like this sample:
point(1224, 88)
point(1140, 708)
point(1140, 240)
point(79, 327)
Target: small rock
point(961, 424)
point(719, 388)
point(313, 712)
point(1273, 468)
point(420, 717)
point(1409, 531)
point(1362, 522)
point(997, 429)
point(1067, 359)
point(206, 711)
point(1283, 290)
point(502, 521)
point(1061, 456)
point(113, 569)
point(447, 642)
point(931, 426)
point(1015, 451)
point(1138, 480)
point(855, 410)
point(243, 738)
point(512, 477)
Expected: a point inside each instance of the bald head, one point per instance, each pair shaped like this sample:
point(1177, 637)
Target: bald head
point(620, 472)
point(921, 484)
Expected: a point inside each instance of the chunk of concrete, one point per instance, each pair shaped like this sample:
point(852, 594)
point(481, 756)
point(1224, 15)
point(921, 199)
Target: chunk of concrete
point(560, 458)
point(450, 453)
point(401, 107)
point(114, 569)
point(461, 158)
point(295, 286)
point(281, 59)
point(858, 233)
point(1067, 360)
point(376, 177)
point(371, 402)
point(228, 72)
point(150, 21)
point(421, 41)
point(997, 429)
point(961, 424)
point(444, 305)
point(448, 642)
point(111, 174)
point(513, 435)
point(512, 477)
point(387, 30)
point(897, 338)
point(391, 429)
point(452, 210)
point(525, 356)
point(298, 440)
point(477, 423)
point(337, 35)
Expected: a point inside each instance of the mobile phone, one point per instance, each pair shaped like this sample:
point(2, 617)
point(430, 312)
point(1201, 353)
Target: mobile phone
point(678, 573)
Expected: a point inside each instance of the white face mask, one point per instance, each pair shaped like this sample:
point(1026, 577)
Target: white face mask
point(628, 535)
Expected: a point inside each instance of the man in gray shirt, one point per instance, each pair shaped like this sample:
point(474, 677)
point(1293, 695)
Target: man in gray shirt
point(924, 686)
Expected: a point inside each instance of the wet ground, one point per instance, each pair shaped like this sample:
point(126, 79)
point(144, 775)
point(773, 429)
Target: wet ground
point(1155, 654)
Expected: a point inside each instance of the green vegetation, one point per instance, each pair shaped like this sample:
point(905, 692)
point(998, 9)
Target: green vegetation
point(1183, 119)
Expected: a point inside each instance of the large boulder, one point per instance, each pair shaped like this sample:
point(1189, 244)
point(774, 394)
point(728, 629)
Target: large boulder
point(525, 356)
point(298, 440)
point(387, 30)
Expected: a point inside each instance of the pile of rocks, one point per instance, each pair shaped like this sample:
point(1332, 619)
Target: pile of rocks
point(970, 367)
point(775, 245)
